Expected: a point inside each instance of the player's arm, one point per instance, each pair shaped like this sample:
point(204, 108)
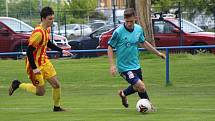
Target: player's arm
point(54, 47)
point(149, 47)
point(30, 56)
point(111, 44)
point(111, 61)
point(110, 56)
point(34, 41)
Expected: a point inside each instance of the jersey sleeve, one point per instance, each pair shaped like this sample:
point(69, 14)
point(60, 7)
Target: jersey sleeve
point(114, 39)
point(141, 38)
point(35, 39)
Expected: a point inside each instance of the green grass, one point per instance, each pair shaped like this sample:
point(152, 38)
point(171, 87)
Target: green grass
point(90, 93)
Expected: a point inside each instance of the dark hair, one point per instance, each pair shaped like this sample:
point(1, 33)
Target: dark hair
point(46, 11)
point(129, 12)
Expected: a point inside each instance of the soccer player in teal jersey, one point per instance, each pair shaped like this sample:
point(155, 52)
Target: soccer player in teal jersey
point(125, 40)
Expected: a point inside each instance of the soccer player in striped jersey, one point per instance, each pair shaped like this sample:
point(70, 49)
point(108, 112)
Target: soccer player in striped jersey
point(126, 40)
point(38, 66)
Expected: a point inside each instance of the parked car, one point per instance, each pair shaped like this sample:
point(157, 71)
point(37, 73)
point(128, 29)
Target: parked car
point(97, 24)
point(204, 21)
point(71, 30)
point(14, 35)
point(167, 33)
point(88, 42)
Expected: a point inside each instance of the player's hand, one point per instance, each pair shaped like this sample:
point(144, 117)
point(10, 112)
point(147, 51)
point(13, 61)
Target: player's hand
point(67, 53)
point(113, 70)
point(36, 71)
point(162, 55)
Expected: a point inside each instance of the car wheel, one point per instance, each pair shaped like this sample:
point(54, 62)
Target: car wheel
point(200, 50)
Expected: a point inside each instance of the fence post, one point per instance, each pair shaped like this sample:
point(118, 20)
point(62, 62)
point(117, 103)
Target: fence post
point(167, 67)
point(65, 12)
point(214, 19)
point(180, 24)
point(114, 12)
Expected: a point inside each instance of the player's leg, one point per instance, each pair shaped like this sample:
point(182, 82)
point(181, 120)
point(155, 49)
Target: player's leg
point(13, 86)
point(123, 98)
point(131, 78)
point(29, 87)
point(36, 87)
point(140, 87)
point(124, 93)
point(56, 93)
point(50, 75)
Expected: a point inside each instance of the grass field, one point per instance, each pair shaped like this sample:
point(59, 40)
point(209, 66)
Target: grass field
point(90, 93)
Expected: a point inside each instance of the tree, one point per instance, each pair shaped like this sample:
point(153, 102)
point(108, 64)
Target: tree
point(81, 8)
point(195, 6)
point(143, 9)
point(26, 7)
point(78, 11)
point(130, 3)
point(2, 8)
point(163, 5)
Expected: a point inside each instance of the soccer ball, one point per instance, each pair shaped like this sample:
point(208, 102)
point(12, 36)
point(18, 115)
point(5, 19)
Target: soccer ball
point(143, 105)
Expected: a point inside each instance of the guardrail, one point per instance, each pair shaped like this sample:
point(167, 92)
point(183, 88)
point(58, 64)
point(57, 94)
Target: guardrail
point(141, 49)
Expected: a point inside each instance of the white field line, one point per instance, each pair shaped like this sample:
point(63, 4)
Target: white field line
point(189, 109)
point(104, 85)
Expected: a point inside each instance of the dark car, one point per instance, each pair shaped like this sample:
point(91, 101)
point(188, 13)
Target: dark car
point(88, 42)
point(167, 33)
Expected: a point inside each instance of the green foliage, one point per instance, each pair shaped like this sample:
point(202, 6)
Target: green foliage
point(162, 5)
point(24, 7)
point(97, 15)
point(2, 8)
point(77, 11)
point(77, 20)
point(27, 6)
point(27, 10)
point(82, 4)
point(196, 6)
point(80, 8)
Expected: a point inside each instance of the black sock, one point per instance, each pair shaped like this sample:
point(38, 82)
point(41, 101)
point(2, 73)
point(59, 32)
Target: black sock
point(143, 95)
point(129, 90)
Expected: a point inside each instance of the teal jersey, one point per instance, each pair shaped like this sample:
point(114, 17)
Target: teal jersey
point(126, 45)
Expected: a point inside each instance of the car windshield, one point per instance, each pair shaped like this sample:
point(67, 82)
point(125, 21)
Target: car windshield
point(187, 26)
point(17, 25)
point(102, 29)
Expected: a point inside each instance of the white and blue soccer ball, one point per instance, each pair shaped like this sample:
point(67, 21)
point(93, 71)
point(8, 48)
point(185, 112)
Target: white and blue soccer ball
point(143, 105)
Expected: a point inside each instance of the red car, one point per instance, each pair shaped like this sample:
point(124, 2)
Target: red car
point(167, 33)
point(15, 33)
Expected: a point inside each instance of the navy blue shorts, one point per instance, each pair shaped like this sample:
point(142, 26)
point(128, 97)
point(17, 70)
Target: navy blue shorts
point(132, 76)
